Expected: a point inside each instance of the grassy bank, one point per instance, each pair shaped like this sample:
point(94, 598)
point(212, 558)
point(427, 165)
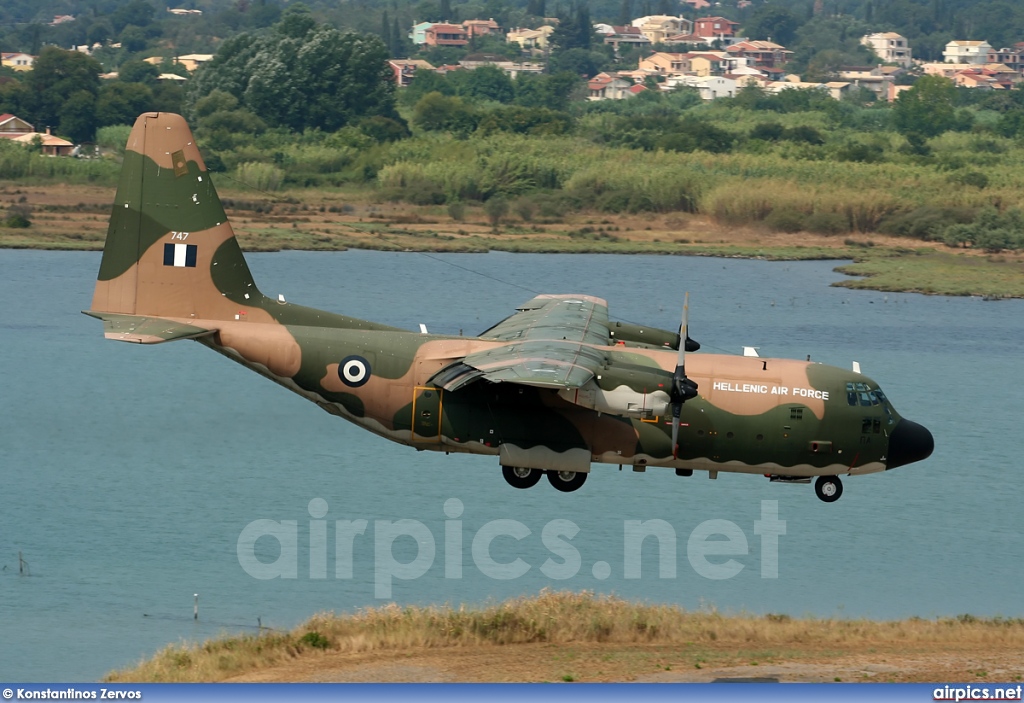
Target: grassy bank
point(567, 619)
point(75, 217)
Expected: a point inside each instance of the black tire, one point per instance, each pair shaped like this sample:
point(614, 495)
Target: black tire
point(567, 481)
point(828, 488)
point(519, 477)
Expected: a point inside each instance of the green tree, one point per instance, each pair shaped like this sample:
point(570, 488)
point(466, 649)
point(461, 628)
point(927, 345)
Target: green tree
point(56, 76)
point(138, 13)
point(487, 83)
point(121, 103)
point(133, 39)
point(441, 113)
point(552, 92)
point(927, 108)
point(302, 75)
point(772, 22)
point(78, 117)
point(138, 72)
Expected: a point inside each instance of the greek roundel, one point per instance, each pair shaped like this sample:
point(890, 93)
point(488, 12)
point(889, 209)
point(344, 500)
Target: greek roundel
point(354, 371)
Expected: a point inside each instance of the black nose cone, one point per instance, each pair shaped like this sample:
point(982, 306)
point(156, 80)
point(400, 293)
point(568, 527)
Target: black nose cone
point(908, 443)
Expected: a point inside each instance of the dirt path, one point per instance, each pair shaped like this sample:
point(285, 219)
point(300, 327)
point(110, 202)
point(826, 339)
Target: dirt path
point(647, 663)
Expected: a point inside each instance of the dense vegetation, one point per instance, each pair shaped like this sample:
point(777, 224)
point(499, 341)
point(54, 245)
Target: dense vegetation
point(293, 101)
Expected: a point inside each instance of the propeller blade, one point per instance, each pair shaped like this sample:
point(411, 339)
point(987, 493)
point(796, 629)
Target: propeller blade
point(676, 411)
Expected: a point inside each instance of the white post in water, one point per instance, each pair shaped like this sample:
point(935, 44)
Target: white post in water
point(195, 607)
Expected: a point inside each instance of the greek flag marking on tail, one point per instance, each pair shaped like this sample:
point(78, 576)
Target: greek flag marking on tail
point(180, 255)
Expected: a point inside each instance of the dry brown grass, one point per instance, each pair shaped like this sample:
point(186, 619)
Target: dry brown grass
point(558, 618)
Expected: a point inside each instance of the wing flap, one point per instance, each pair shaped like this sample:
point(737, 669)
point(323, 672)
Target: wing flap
point(545, 364)
point(146, 330)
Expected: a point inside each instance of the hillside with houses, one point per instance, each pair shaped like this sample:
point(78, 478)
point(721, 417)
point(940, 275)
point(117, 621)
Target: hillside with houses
point(587, 107)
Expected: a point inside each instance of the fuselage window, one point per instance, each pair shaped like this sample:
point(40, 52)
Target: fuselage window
point(796, 413)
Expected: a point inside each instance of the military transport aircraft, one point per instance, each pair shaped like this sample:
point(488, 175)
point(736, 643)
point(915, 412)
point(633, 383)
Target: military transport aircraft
point(549, 390)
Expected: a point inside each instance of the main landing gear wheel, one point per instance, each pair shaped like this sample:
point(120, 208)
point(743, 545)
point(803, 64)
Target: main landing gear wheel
point(567, 481)
point(520, 477)
point(828, 488)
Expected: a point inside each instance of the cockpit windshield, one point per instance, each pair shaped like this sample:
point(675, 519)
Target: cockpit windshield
point(863, 395)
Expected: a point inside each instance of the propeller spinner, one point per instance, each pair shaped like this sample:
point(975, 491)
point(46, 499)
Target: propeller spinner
point(683, 389)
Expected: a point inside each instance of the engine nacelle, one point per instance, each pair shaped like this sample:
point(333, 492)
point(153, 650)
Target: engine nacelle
point(642, 334)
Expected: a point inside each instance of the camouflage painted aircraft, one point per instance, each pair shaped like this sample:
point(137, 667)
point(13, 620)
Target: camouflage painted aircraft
point(549, 390)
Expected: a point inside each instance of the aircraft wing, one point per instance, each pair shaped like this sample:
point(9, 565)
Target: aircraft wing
point(549, 341)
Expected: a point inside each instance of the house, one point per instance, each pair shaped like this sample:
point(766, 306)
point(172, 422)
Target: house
point(975, 79)
point(446, 35)
point(479, 28)
point(51, 145)
point(874, 78)
point(975, 52)
point(11, 126)
point(890, 47)
point(61, 19)
point(697, 4)
point(659, 27)
point(405, 70)
point(945, 70)
point(794, 83)
point(1011, 58)
point(714, 27)
point(418, 35)
point(190, 61)
point(17, 61)
point(993, 76)
point(713, 63)
point(894, 91)
point(709, 87)
point(837, 89)
point(664, 63)
point(193, 61)
point(530, 39)
point(761, 54)
point(698, 63)
point(184, 13)
point(690, 39)
point(609, 86)
point(616, 36)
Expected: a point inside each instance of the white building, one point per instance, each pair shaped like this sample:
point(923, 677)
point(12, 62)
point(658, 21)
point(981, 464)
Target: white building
point(890, 47)
point(963, 51)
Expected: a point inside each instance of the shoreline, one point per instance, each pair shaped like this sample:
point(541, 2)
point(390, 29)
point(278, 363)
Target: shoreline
point(310, 220)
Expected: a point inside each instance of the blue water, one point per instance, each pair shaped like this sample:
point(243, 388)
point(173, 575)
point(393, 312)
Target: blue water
point(127, 473)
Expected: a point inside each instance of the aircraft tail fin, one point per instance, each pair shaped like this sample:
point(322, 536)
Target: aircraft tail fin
point(170, 250)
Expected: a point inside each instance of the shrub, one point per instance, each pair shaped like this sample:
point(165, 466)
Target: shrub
point(496, 209)
point(525, 208)
point(260, 176)
point(785, 220)
point(970, 178)
point(767, 131)
point(827, 223)
point(456, 210)
point(18, 217)
point(315, 639)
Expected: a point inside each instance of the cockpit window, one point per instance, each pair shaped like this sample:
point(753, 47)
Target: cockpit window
point(863, 395)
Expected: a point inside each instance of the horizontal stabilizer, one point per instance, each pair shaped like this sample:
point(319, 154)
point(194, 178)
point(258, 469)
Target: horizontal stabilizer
point(146, 330)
